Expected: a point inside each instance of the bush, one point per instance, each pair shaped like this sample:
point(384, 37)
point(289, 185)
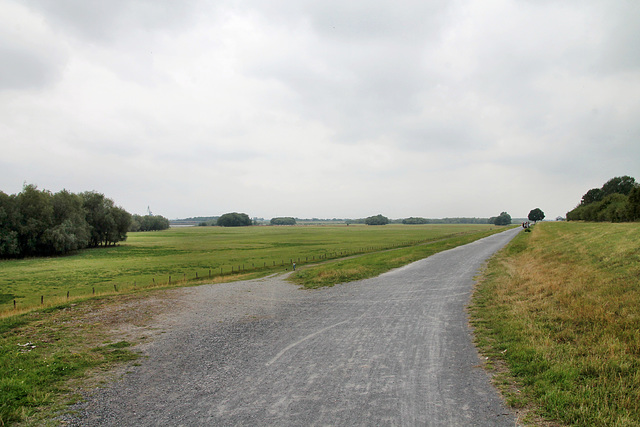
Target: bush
point(149, 223)
point(234, 219)
point(377, 220)
point(287, 220)
point(414, 220)
point(617, 201)
point(39, 223)
point(502, 219)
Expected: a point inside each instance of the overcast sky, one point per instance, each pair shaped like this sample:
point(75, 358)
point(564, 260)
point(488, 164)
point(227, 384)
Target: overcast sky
point(330, 109)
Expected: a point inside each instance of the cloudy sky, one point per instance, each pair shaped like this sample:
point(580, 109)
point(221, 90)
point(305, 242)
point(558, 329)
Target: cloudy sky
point(325, 108)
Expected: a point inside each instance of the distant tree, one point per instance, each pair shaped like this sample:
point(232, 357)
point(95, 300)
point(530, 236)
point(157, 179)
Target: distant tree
point(36, 216)
point(37, 222)
point(96, 208)
point(70, 230)
point(148, 223)
point(619, 185)
point(536, 215)
point(591, 196)
point(634, 204)
point(9, 220)
point(234, 219)
point(614, 208)
point(108, 224)
point(122, 222)
point(502, 219)
point(283, 221)
point(613, 202)
point(377, 220)
point(414, 220)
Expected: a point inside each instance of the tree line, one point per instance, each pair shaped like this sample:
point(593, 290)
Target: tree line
point(235, 219)
point(284, 220)
point(459, 220)
point(148, 223)
point(40, 223)
point(618, 200)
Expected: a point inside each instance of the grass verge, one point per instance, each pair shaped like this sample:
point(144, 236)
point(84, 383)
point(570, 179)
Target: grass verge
point(560, 309)
point(46, 354)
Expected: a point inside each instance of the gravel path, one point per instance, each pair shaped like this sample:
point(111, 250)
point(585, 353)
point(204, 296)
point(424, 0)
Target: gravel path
point(394, 350)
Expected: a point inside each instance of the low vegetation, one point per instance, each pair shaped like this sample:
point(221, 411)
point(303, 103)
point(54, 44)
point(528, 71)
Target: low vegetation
point(560, 307)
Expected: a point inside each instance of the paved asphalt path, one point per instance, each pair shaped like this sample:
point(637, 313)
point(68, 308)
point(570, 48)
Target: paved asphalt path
point(391, 351)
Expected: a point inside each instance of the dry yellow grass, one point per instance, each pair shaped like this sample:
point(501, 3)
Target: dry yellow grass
point(563, 304)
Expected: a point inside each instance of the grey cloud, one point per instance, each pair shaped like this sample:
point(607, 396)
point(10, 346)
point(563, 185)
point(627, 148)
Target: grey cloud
point(405, 21)
point(107, 21)
point(24, 69)
point(484, 92)
point(363, 67)
point(619, 36)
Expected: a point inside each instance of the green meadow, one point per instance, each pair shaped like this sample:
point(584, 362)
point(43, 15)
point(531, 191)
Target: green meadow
point(191, 255)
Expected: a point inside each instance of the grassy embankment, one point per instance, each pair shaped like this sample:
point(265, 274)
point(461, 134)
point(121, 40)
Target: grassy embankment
point(42, 350)
point(560, 307)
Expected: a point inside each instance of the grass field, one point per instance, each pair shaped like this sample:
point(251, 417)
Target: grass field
point(179, 254)
point(560, 308)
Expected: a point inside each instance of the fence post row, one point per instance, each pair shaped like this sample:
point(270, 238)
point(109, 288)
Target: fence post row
point(326, 255)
